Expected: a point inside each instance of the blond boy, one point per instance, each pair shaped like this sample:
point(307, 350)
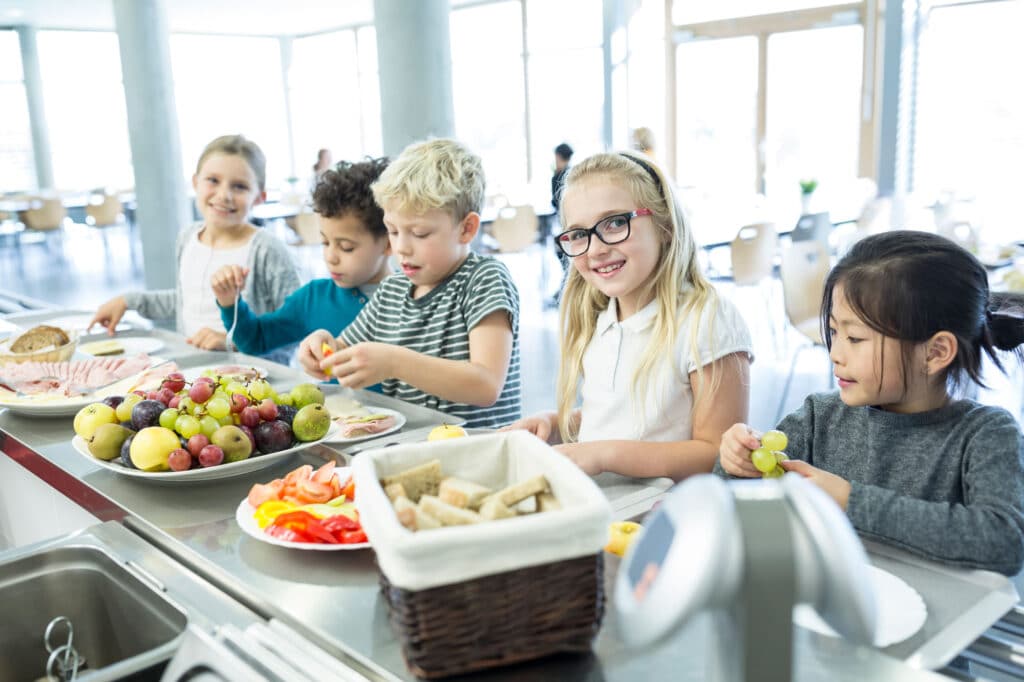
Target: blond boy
point(444, 332)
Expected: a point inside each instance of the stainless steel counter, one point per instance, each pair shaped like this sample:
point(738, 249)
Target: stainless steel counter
point(333, 597)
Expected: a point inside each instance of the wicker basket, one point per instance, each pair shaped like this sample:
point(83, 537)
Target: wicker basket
point(499, 619)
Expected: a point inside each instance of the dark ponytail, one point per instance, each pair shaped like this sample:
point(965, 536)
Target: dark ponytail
point(1006, 321)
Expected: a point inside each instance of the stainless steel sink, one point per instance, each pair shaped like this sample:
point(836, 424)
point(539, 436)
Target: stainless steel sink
point(116, 618)
point(129, 605)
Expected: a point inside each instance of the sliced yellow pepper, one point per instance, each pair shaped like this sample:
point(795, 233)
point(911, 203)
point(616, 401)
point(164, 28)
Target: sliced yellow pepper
point(322, 511)
point(270, 510)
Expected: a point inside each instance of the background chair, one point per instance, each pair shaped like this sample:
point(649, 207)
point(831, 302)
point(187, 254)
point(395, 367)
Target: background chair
point(805, 266)
point(307, 226)
point(515, 228)
point(752, 253)
point(103, 210)
point(816, 226)
point(46, 215)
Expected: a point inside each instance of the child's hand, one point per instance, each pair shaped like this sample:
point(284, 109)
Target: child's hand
point(109, 314)
point(311, 352)
point(734, 452)
point(540, 425)
point(837, 487)
point(208, 339)
point(227, 283)
point(361, 365)
point(586, 456)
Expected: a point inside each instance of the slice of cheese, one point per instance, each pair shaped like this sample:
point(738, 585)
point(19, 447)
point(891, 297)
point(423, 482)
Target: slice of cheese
point(105, 347)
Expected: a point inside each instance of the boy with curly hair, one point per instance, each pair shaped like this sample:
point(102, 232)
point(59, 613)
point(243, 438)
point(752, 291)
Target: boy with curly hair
point(444, 332)
point(356, 253)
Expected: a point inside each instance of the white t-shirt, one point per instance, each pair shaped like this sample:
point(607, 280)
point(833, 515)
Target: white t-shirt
point(608, 411)
point(198, 263)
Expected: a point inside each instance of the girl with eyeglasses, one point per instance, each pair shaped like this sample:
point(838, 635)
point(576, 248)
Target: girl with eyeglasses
point(659, 362)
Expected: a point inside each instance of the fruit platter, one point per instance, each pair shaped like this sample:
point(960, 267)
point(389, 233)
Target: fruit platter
point(214, 426)
point(306, 509)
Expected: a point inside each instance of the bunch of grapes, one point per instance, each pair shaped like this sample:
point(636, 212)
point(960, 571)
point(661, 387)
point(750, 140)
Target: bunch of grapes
point(195, 410)
point(768, 458)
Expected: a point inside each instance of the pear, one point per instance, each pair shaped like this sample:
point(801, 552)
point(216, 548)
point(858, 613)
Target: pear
point(233, 441)
point(311, 422)
point(307, 394)
point(107, 440)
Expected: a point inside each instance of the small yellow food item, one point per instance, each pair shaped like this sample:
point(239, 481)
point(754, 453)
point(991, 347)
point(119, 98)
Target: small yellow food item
point(270, 510)
point(445, 431)
point(105, 347)
point(620, 536)
point(326, 351)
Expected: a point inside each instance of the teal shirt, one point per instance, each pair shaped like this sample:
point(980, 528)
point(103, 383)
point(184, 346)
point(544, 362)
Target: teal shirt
point(320, 304)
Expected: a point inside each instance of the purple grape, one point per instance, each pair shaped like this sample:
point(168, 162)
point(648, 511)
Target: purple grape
point(147, 413)
point(126, 458)
point(286, 413)
point(113, 400)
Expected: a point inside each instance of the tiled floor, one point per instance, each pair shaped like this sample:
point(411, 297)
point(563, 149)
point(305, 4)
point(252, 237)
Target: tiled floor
point(88, 266)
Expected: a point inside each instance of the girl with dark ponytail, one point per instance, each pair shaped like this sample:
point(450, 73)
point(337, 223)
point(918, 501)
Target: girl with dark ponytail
point(907, 318)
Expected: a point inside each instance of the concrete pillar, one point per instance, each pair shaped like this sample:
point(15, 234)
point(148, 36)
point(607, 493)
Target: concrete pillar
point(892, 127)
point(415, 68)
point(163, 204)
point(285, 44)
point(36, 110)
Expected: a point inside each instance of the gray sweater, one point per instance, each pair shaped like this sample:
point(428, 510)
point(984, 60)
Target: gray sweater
point(272, 277)
point(947, 485)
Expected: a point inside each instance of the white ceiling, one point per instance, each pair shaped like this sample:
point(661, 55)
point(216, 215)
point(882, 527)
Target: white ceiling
point(243, 17)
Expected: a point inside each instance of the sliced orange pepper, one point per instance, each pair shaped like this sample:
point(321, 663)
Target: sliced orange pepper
point(326, 351)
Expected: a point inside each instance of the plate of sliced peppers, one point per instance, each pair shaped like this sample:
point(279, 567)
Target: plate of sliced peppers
point(307, 509)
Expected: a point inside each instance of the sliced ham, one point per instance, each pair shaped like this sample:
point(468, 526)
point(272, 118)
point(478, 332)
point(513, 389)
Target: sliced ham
point(354, 427)
point(72, 378)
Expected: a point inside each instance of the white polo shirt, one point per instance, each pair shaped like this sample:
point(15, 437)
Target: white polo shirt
point(608, 410)
point(198, 263)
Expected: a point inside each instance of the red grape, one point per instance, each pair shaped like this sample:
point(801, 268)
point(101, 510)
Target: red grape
point(268, 410)
point(250, 417)
point(173, 402)
point(200, 392)
point(165, 395)
point(152, 395)
point(239, 402)
point(179, 460)
point(174, 381)
point(211, 456)
point(196, 443)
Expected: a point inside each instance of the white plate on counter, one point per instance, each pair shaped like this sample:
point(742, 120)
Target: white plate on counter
point(250, 371)
point(898, 607)
point(399, 423)
point(204, 474)
point(132, 345)
point(244, 517)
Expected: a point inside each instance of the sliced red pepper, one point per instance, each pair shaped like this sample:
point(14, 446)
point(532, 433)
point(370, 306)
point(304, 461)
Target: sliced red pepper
point(339, 522)
point(286, 534)
point(305, 525)
point(351, 537)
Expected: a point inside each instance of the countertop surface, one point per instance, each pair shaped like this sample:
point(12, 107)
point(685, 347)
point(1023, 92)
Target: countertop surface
point(335, 596)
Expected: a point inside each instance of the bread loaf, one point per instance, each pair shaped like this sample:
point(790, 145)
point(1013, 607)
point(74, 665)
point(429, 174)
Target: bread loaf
point(38, 338)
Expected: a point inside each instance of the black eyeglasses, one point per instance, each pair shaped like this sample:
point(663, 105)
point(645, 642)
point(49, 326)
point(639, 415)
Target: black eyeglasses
point(610, 230)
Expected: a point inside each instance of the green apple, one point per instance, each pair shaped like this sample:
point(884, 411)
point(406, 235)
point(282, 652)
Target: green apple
point(91, 416)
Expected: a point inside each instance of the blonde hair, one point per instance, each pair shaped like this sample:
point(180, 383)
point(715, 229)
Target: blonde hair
point(238, 145)
point(435, 174)
point(677, 285)
point(643, 140)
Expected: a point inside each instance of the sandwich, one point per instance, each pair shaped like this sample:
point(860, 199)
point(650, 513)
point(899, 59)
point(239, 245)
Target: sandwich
point(354, 427)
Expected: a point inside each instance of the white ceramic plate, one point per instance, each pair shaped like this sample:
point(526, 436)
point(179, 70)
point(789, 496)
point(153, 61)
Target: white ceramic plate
point(192, 372)
point(133, 345)
point(399, 423)
point(900, 610)
point(57, 406)
point(204, 474)
point(80, 322)
point(244, 517)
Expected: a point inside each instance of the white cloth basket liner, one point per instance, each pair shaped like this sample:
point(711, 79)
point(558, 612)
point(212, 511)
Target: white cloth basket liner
point(442, 556)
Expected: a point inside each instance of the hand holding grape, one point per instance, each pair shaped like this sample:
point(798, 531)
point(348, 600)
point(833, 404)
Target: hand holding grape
point(734, 451)
point(769, 457)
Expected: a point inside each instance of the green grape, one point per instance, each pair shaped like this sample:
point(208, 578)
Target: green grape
point(187, 426)
point(226, 420)
point(225, 381)
point(207, 425)
point(780, 457)
point(776, 472)
point(285, 399)
point(218, 407)
point(774, 440)
point(221, 393)
point(235, 387)
point(763, 459)
point(168, 418)
point(197, 410)
point(186, 404)
point(259, 389)
point(124, 409)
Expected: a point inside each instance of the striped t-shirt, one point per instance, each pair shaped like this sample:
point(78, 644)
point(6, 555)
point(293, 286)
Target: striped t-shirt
point(438, 324)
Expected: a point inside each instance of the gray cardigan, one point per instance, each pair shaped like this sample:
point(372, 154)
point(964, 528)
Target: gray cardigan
point(272, 277)
point(947, 484)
